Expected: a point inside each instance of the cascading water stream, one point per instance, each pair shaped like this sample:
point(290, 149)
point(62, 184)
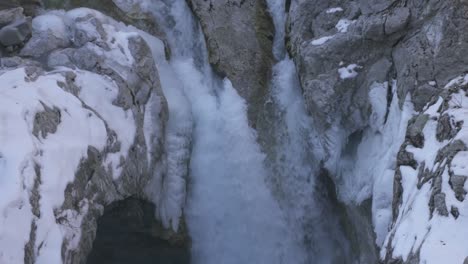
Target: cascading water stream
point(244, 205)
point(231, 214)
point(296, 156)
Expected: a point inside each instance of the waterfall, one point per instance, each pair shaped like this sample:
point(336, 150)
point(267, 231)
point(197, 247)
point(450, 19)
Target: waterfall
point(246, 202)
point(296, 158)
point(231, 213)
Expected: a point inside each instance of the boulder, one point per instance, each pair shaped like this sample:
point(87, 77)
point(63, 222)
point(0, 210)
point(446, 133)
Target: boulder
point(16, 32)
point(9, 15)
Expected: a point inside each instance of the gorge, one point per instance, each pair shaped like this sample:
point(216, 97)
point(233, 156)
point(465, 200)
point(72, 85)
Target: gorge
point(233, 131)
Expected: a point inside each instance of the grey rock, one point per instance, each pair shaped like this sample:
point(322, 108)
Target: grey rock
point(427, 51)
point(374, 28)
point(423, 94)
point(374, 6)
point(449, 151)
point(364, 44)
point(15, 62)
point(319, 97)
point(7, 4)
point(16, 32)
point(46, 122)
point(454, 212)
point(31, 7)
point(9, 15)
point(457, 183)
point(444, 128)
point(239, 37)
point(379, 71)
point(397, 194)
point(405, 158)
point(415, 133)
point(397, 20)
point(60, 58)
point(440, 205)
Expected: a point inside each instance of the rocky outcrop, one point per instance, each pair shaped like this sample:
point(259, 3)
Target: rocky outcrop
point(126, 11)
point(30, 7)
point(342, 47)
point(344, 51)
point(86, 118)
point(239, 38)
point(429, 197)
point(15, 28)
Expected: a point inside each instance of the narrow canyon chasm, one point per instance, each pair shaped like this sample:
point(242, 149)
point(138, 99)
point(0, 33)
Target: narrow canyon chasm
point(233, 131)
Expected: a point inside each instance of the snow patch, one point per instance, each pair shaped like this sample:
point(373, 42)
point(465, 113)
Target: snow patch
point(343, 24)
point(320, 41)
point(348, 72)
point(334, 10)
point(99, 93)
point(50, 22)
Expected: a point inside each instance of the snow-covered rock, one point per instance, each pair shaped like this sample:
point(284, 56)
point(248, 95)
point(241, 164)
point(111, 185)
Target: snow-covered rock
point(404, 52)
point(82, 127)
point(430, 223)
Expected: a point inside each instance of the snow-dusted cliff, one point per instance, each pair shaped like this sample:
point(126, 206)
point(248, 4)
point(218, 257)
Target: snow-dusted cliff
point(262, 131)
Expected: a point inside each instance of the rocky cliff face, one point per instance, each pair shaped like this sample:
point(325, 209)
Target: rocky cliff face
point(239, 38)
point(345, 51)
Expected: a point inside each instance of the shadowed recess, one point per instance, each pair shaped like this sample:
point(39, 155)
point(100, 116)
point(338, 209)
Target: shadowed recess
point(128, 233)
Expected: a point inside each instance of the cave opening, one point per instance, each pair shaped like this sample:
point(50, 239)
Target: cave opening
point(128, 233)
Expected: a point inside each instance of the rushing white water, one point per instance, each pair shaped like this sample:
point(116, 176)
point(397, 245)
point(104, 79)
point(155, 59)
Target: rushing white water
point(231, 214)
point(296, 157)
point(243, 205)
